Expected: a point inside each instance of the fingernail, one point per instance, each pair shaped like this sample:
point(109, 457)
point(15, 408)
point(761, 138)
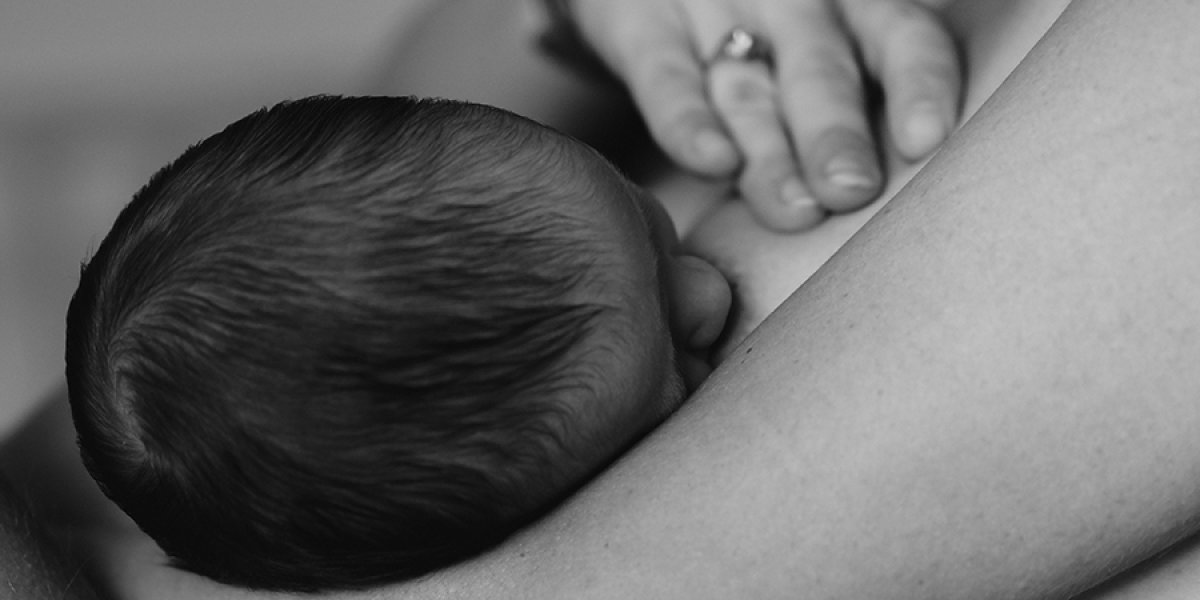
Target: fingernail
point(848, 173)
point(795, 194)
point(925, 128)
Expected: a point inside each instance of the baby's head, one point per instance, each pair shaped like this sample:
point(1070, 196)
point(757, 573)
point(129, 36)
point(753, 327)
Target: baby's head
point(352, 340)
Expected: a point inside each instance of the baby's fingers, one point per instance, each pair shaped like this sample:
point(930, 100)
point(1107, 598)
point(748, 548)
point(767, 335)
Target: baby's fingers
point(912, 54)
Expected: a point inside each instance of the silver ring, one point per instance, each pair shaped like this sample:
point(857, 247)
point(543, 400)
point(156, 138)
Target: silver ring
point(741, 45)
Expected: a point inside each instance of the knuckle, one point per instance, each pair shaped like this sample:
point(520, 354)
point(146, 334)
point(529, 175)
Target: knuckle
point(924, 33)
point(768, 165)
point(660, 73)
point(931, 76)
point(824, 66)
point(676, 126)
point(741, 92)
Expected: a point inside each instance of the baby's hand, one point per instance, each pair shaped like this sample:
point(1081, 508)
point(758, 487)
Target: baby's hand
point(792, 124)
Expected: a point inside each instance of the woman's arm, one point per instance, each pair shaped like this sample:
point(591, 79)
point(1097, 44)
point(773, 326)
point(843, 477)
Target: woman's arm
point(989, 392)
point(32, 566)
point(766, 267)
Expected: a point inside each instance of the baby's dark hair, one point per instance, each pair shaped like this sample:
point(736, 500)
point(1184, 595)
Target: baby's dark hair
point(335, 344)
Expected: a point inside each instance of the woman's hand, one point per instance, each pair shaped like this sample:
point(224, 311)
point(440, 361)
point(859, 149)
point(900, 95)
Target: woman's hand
point(793, 125)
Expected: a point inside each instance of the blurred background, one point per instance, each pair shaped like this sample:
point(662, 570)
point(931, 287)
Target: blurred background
point(95, 96)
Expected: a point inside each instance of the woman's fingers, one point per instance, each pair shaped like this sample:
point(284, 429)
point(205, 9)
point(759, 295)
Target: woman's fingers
point(909, 50)
point(822, 101)
point(741, 87)
point(650, 45)
point(668, 88)
point(770, 180)
point(800, 130)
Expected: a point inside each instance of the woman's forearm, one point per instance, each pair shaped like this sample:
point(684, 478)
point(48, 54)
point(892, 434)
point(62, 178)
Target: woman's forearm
point(32, 566)
point(990, 392)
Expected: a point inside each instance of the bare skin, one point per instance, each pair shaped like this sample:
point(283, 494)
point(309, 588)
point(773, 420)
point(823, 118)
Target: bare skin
point(798, 135)
point(989, 392)
point(32, 566)
point(766, 267)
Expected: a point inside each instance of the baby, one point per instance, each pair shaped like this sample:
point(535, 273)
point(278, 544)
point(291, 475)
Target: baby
point(351, 340)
